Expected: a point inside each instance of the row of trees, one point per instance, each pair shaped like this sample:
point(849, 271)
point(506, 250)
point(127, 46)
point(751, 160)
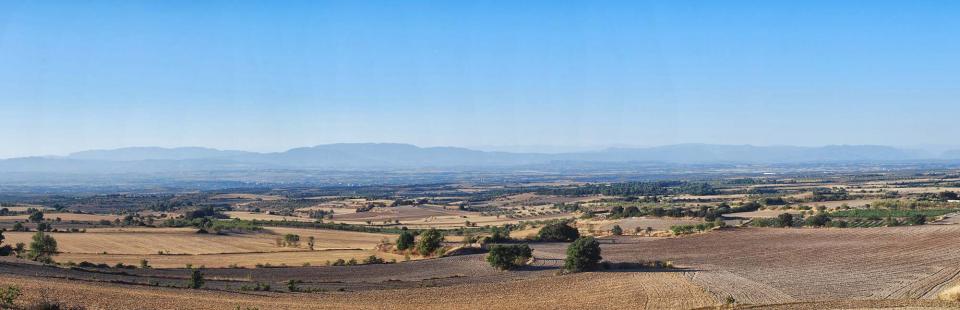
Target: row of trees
point(583, 254)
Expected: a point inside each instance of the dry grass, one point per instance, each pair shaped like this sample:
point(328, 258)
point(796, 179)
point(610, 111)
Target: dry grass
point(950, 294)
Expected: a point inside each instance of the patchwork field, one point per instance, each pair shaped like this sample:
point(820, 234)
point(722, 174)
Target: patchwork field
point(182, 246)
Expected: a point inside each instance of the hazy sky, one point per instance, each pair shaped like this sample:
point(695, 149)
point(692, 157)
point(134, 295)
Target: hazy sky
point(80, 75)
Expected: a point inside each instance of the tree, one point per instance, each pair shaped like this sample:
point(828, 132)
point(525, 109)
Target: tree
point(429, 242)
point(785, 220)
point(405, 241)
point(311, 242)
point(291, 240)
point(582, 254)
point(506, 257)
point(36, 216)
point(19, 227)
point(144, 264)
point(196, 279)
point(616, 231)
point(558, 232)
point(5, 250)
point(42, 248)
point(818, 220)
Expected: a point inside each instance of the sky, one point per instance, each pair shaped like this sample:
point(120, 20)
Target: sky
point(273, 75)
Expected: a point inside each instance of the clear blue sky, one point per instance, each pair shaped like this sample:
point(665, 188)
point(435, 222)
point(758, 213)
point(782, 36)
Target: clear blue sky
point(261, 76)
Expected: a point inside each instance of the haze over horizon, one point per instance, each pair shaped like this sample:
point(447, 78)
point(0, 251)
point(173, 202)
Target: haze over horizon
point(259, 77)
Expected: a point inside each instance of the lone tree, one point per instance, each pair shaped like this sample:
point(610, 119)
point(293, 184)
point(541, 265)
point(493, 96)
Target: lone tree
point(429, 242)
point(785, 220)
point(506, 257)
point(405, 241)
point(42, 248)
point(36, 216)
point(196, 279)
point(616, 230)
point(558, 232)
point(582, 254)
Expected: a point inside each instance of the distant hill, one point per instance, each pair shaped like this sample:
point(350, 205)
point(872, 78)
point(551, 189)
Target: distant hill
point(154, 153)
point(404, 156)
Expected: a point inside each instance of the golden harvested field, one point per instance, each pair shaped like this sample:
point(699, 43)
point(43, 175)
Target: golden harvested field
point(63, 217)
point(244, 215)
point(650, 290)
point(630, 224)
point(129, 245)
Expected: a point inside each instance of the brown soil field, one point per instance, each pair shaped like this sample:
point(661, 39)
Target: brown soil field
point(776, 265)
point(649, 290)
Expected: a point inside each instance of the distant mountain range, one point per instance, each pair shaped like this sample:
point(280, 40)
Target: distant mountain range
point(373, 156)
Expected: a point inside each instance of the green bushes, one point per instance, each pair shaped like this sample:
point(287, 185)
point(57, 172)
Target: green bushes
point(429, 242)
point(616, 230)
point(8, 295)
point(196, 279)
point(42, 248)
point(583, 254)
point(689, 229)
point(506, 257)
point(405, 240)
point(559, 232)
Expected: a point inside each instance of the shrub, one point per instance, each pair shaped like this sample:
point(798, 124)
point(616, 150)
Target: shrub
point(42, 248)
point(582, 254)
point(373, 259)
point(617, 230)
point(405, 241)
point(506, 257)
point(558, 232)
point(429, 242)
point(196, 279)
point(818, 220)
point(144, 263)
point(785, 220)
point(8, 295)
point(291, 240)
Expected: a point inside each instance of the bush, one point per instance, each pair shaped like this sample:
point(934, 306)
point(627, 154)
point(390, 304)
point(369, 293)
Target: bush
point(617, 230)
point(405, 241)
point(582, 254)
point(373, 259)
point(558, 232)
point(785, 220)
point(818, 220)
point(42, 248)
point(429, 242)
point(506, 257)
point(196, 279)
point(8, 295)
